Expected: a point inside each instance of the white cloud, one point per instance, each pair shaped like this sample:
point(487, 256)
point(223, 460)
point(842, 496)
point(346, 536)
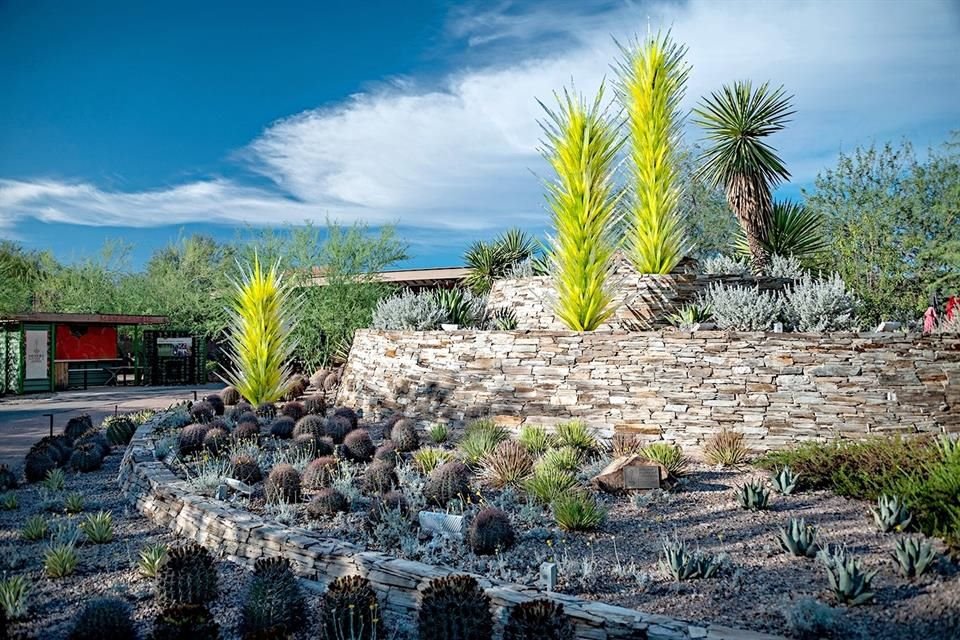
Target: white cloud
point(460, 155)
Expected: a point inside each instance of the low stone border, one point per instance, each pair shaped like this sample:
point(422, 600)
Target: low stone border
point(242, 537)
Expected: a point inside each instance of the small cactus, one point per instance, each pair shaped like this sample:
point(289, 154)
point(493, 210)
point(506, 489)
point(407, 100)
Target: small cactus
point(349, 609)
point(8, 479)
point(216, 440)
point(37, 464)
point(327, 502)
point(753, 496)
point(891, 514)
point(337, 428)
point(217, 403)
point(490, 532)
point(104, 618)
point(245, 469)
point(538, 619)
point(404, 435)
point(246, 430)
point(283, 485)
point(315, 404)
point(188, 577)
point(309, 425)
point(799, 538)
point(266, 410)
point(230, 396)
point(202, 412)
point(183, 622)
point(274, 606)
point(849, 582)
point(387, 452)
point(241, 409)
point(448, 481)
point(784, 481)
point(119, 430)
point(86, 458)
point(293, 410)
point(390, 501)
point(349, 414)
point(282, 427)
point(454, 608)
point(77, 426)
point(358, 446)
point(191, 439)
point(319, 473)
point(304, 444)
point(914, 556)
point(380, 477)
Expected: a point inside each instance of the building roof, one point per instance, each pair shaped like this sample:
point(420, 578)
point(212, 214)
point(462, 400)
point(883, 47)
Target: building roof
point(431, 277)
point(84, 318)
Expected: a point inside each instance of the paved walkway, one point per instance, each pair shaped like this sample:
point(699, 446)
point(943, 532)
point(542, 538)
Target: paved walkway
point(22, 420)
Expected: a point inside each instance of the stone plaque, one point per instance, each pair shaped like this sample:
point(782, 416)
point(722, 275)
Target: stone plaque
point(641, 477)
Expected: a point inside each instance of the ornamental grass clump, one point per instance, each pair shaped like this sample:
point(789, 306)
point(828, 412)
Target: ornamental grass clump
point(669, 455)
point(259, 339)
point(652, 78)
point(581, 145)
point(429, 458)
point(480, 438)
point(577, 434)
point(577, 511)
point(508, 464)
point(546, 484)
point(726, 449)
point(535, 438)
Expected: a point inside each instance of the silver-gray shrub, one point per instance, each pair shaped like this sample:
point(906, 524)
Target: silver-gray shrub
point(820, 304)
point(724, 265)
point(408, 311)
point(785, 267)
point(743, 308)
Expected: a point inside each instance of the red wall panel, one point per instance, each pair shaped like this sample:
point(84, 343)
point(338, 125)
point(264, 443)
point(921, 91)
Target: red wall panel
point(86, 342)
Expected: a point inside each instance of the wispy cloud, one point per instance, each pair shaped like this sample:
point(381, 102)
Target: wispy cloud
point(462, 155)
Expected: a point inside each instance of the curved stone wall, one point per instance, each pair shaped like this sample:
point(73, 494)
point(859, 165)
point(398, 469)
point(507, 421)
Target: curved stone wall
point(242, 537)
point(671, 385)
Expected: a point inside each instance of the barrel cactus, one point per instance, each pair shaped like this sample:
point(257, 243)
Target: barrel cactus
point(349, 414)
point(217, 403)
point(349, 609)
point(304, 444)
point(245, 469)
point(191, 439)
point(358, 446)
point(337, 428)
point(283, 485)
point(319, 473)
point(86, 457)
point(538, 619)
point(282, 427)
point(185, 623)
point(77, 426)
point(246, 430)
point(240, 409)
point(380, 477)
point(96, 438)
point(327, 502)
point(294, 410)
point(216, 440)
point(315, 404)
point(266, 410)
point(188, 577)
point(454, 608)
point(404, 435)
point(448, 481)
point(389, 423)
point(295, 387)
point(230, 396)
point(310, 425)
point(387, 452)
point(202, 412)
point(390, 501)
point(490, 532)
point(57, 450)
point(104, 618)
point(274, 606)
point(119, 430)
point(36, 464)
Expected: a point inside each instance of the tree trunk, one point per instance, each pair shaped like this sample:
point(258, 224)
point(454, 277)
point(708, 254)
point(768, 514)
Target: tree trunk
point(750, 199)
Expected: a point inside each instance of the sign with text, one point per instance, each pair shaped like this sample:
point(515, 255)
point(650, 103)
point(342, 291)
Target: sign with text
point(641, 477)
point(37, 356)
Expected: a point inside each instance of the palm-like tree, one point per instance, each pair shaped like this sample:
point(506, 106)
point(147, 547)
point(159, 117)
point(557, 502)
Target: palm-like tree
point(737, 120)
point(795, 231)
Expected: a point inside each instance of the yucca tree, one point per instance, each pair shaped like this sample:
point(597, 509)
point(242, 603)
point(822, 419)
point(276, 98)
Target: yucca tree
point(259, 343)
point(794, 231)
point(736, 121)
point(652, 76)
point(581, 145)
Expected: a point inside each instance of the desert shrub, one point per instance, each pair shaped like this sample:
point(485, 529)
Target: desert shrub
point(721, 265)
point(490, 532)
point(577, 511)
point(810, 619)
point(104, 618)
point(546, 484)
point(408, 311)
point(669, 455)
point(818, 305)
point(480, 438)
point(358, 446)
point(327, 502)
point(725, 448)
point(789, 267)
point(508, 464)
point(349, 610)
point(577, 434)
point(282, 485)
point(743, 308)
point(454, 608)
point(538, 619)
point(535, 438)
point(447, 482)
point(274, 606)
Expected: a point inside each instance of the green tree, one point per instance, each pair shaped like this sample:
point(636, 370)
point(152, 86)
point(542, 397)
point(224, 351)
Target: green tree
point(20, 273)
point(94, 285)
point(711, 225)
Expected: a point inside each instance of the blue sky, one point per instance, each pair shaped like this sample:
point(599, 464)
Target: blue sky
point(139, 120)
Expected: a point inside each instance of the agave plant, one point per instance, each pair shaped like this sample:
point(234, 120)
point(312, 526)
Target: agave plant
point(689, 316)
point(914, 556)
point(581, 146)
point(652, 77)
point(784, 481)
point(799, 538)
point(794, 231)
point(737, 120)
point(260, 345)
point(848, 581)
point(489, 261)
point(891, 514)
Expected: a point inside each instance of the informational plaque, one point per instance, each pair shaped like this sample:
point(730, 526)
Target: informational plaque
point(37, 357)
point(641, 477)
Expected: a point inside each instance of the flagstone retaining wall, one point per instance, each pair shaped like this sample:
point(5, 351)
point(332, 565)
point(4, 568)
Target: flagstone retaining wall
point(776, 388)
point(242, 537)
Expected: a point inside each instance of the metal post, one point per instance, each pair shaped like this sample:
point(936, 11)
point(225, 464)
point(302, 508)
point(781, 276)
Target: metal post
point(116, 410)
point(194, 395)
point(50, 415)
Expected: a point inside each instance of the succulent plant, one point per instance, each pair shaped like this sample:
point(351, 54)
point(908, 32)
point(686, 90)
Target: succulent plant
point(404, 435)
point(283, 485)
point(548, 483)
point(380, 477)
point(77, 426)
point(104, 618)
point(386, 452)
point(726, 448)
point(358, 446)
point(216, 440)
point(577, 434)
point(14, 592)
point(349, 414)
point(185, 622)
point(57, 447)
point(538, 619)
point(536, 439)
point(914, 556)
point(622, 444)
point(327, 502)
point(388, 424)
point(295, 387)
point(337, 428)
point(799, 538)
point(891, 514)
point(230, 395)
point(784, 481)
point(315, 405)
point(508, 464)
point(282, 427)
point(60, 559)
point(98, 527)
point(426, 459)
point(448, 481)
point(35, 528)
point(245, 469)
point(188, 577)
point(86, 458)
point(119, 430)
point(202, 412)
point(94, 437)
point(390, 501)
point(349, 609)
point(438, 432)
point(191, 439)
point(217, 403)
point(310, 425)
point(319, 473)
point(266, 410)
point(683, 564)
point(293, 410)
point(669, 455)
point(848, 581)
point(454, 608)
point(8, 479)
point(151, 559)
point(246, 430)
point(274, 606)
point(240, 410)
point(305, 445)
point(753, 495)
point(36, 465)
point(490, 531)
